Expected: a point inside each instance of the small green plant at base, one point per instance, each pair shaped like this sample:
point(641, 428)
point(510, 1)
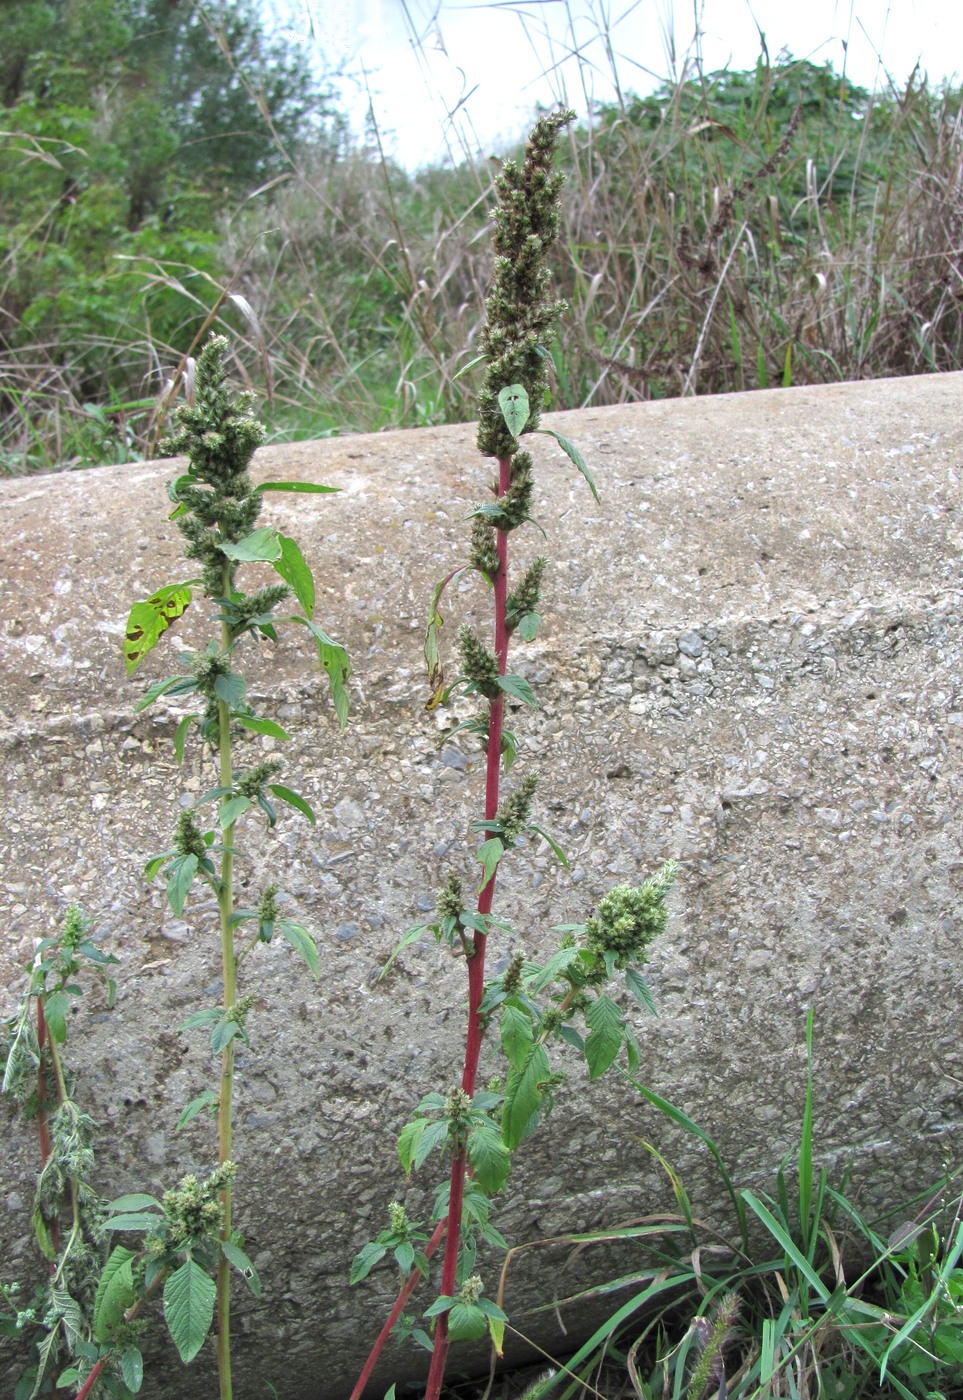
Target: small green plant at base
point(532, 1005)
point(217, 507)
point(60, 1322)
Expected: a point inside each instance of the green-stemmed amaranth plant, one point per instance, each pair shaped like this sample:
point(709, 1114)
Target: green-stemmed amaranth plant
point(216, 507)
point(480, 1129)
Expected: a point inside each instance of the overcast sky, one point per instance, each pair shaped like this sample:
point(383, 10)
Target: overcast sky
point(491, 63)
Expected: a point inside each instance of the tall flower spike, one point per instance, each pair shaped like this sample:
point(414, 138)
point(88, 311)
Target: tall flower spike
point(520, 315)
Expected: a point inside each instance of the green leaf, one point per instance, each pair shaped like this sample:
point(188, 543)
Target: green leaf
point(519, 689)
point(528, 625)
point(233, 808)
point(148, 621)
point(411, 936)
point(294, 799)
point(489, 1157)
point(236, 1257)
point(303, 488)
point(432, 1137)
point(189, 1308)
point(517, 1035)
point(466, 1323)
point(206, 1100)
point(198, 1019)
point(131, 1220)
point(606, 1031)
point(224, 1032)
point(639, 988)
point(302, 943)
point(572, 452)
point(555, 966)
point(115, 1292)
point(489, 853)
point(263, 726)
point(476, 360)
point(335, 661)
point(408, 1140)
point(513, 402)
point(262, 545)
point(230, 689)
point(180, 736)
point(556, 848)
point(137, 1201)
point(523, 1095)
point(405, 1258)
point(178, 685)
point(132, 1368)
point(294, 570)
point(55, 1008)
point(365, 1260)
point(180, 874)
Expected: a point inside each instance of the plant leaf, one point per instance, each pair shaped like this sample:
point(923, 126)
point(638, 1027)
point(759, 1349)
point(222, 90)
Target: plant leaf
point(523, 1094)
point(294, 799)
point(115, 1292)
point(294, 570)
point(206, 1100)
point(236, 1256)
point(516, 410)
point(410, 936)
point(556, 848)
point(180, 874)
point(335, 661)
point(517, 1035)
point(303, 488)
point(233, 808)
point(365, 1260)
point(230, 689)
point(263, 726)
point(606, 1032)
point(489, 853)
point(180, 736)
point(639, 988)
point(408, 1140)
point(519, 689)
point(302, 943)
point(490, 1158)
point(132, 1368)
point(572, 452)
point(148, 621)
point(261, 545)
point(189, 1308)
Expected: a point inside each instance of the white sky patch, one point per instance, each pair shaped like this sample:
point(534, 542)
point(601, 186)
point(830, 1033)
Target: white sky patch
point(449, 78)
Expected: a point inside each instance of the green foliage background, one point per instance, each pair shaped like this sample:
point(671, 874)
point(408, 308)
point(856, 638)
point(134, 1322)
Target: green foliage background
point(165, 166)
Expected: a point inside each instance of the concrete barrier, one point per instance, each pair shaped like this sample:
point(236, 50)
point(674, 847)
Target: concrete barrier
point(750, 662)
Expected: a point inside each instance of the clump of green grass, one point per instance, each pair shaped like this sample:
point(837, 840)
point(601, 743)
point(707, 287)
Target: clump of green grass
point(797, 1294)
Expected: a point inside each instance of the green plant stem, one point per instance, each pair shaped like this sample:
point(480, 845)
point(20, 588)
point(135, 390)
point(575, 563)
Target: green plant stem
point(476, 963)
point(225, 1109)
point(43, 1127)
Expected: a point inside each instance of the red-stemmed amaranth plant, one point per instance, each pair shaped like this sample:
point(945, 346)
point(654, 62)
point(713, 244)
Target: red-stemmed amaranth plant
point(480, 1129)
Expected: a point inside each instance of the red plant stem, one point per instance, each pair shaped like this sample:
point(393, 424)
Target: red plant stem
point(476, 963)
point(404, 1293)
